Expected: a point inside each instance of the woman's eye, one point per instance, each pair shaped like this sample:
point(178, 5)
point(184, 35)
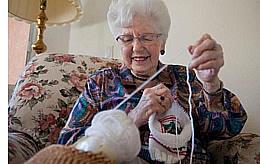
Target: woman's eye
point(147, 39)
point(128, 39)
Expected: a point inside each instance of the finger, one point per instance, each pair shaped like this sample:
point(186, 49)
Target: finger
point(159, 106)
point(198, 42)
point(148, 113)
point(160, 89)
point(218, 47)
point(162, 104)
point(191, 49)
point(159, 86)
point(163, 92)
point(155, 109)
point(147, 91)
point(204, 37)
point(166, 104)
point(165, 97)
point(207, 44)
point(207, 56)
point(212, 64)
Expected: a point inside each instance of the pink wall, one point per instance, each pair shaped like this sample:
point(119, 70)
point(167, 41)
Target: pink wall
point(18, 35)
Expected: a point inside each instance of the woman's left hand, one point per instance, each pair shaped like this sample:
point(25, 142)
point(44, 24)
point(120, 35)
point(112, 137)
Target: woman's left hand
point(207, 59)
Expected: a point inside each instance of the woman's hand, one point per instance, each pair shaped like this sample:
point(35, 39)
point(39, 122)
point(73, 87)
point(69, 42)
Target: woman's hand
point(207, 59)
point(156, 99)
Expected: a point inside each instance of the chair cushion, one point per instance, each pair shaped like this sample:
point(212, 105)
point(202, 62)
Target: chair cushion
point(21, 147)
point(243, 148)
point(46, 91)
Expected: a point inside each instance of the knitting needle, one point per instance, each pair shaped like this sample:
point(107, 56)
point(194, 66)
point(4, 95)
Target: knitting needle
point(142, 86)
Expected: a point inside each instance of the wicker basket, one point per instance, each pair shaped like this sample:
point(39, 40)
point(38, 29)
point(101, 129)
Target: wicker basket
point(57, 154)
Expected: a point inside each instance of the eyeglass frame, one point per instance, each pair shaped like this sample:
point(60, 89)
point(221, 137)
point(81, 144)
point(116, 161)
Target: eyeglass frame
point(140, 38)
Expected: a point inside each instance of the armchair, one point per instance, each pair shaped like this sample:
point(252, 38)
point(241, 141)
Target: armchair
point(48, 88)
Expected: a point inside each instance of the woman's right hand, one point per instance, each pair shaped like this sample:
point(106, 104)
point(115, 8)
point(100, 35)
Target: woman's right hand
point(156, 99)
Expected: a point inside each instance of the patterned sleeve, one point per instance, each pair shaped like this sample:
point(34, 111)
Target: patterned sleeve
point(81, 115)
point(220, 116)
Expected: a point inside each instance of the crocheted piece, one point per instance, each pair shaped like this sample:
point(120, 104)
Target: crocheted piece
point(57, 154)
point(164, 144)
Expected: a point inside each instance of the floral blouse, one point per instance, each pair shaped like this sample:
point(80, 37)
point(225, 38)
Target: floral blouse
point(214, 116)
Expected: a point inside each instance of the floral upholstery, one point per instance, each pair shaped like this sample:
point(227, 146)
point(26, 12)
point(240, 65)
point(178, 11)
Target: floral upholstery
point(45, 94)
point(243, 148)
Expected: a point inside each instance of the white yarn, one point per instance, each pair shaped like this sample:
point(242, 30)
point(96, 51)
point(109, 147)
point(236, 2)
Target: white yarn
point(113, 133)
point(176, 132)
point(190, 113)
point(169, 140)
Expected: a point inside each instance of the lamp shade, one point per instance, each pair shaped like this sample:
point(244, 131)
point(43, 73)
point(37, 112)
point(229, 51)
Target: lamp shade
point(59, 12)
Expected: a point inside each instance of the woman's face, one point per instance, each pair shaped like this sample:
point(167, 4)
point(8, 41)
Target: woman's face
point(141, 58)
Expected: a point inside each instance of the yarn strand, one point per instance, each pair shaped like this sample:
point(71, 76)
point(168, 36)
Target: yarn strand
point(141, 86)
point(190, 113)
point(177, 139)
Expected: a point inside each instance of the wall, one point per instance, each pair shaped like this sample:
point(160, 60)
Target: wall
point(57, 39)
point(94, 40)
point(91, 35)
point(17, 48)
point(234, 23)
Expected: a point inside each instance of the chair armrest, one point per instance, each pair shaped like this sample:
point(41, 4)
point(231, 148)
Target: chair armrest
point(21, 146)
point(243, 148)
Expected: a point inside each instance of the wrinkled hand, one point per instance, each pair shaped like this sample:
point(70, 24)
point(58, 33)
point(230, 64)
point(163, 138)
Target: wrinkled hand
point(207, 59)
point(156, 99)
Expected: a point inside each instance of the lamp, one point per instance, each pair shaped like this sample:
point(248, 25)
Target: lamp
point(49, 12)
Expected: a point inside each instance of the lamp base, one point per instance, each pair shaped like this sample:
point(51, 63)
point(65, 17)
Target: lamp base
point(39, 46)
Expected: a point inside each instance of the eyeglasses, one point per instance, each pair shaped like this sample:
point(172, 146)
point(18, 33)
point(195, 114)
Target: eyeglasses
point(145, 39)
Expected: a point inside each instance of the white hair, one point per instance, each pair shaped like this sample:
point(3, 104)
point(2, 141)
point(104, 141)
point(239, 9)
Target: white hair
point(122, 12)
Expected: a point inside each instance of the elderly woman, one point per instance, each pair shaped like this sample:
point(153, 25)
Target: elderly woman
point(141, 28)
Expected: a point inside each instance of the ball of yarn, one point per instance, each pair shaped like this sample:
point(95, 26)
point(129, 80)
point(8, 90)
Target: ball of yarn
point(114, 134)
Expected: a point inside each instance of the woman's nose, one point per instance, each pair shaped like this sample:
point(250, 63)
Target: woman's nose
point(137, 45)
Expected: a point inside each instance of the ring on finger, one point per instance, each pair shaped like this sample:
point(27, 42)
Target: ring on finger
point(162, 98)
